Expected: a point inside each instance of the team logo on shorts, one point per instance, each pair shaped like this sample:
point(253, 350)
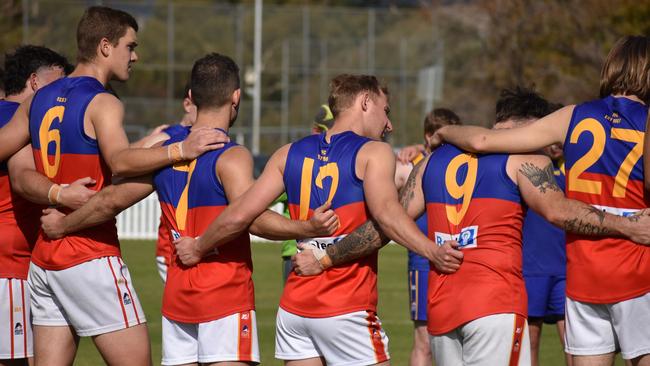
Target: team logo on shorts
point(467, 238)
point(127, 299)
point(244, 316)
point(18, 329)
point(245, 332)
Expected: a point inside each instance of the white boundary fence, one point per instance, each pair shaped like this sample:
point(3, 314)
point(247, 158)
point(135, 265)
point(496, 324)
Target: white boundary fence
point(141, 220)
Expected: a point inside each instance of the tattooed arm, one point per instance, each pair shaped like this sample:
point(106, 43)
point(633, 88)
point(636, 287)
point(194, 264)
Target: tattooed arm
point(538, 187)
point(368, 237)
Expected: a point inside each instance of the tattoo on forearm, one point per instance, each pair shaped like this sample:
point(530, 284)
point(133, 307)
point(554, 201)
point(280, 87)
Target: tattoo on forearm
point(598, 212)
point(584, 227)
point(360, 243)
point(542, 179)
point(577, 226)
point(407, 192)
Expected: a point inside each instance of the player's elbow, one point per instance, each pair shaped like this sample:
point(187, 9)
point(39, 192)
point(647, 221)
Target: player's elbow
point(235, 223)
point(478, 143)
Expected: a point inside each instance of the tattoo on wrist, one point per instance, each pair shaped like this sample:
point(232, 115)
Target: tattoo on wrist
point(407, 192)
point(542, 179)
point(362, 242)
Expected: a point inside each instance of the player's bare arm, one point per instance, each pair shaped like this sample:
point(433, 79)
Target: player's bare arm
point(35, 187)
point(532, 137)
point(15, 134)
point(369, 237)
point(103, 121)
point(534, 176)
point(239, 214)
point(103, 206)
point(408, 153)
point(235, 171)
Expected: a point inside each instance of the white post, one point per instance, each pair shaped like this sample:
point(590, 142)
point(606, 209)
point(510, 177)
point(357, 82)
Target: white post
point(257, 87)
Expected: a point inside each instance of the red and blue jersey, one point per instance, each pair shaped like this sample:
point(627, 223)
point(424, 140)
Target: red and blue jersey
point(18, 217)
point(472, 199)
point(318, 171)
point(544, 243)
point(191, 197)
point(64, 153)
point(604, 168)
point(164, 243)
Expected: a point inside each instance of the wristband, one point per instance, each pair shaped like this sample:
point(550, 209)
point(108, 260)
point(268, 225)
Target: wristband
point(175, 152)
point(53, 194)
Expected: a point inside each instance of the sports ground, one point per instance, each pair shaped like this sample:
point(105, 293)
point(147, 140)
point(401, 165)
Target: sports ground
point(393, 303)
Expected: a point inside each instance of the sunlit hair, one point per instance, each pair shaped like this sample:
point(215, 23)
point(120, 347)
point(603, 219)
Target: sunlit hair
point(345, 88)
point(627, 68)
point(439, 117)
point(101, 22)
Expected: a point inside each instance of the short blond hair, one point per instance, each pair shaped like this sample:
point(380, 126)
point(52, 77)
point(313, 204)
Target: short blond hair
point(345, 88)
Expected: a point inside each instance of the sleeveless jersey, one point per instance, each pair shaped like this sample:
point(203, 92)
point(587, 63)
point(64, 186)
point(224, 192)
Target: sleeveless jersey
point(316, 172)
point(18, 217)
point(416, 261)
point(604, 168)
point(164, 243)
point(191, 197)
point(471, 199)
point(64, 153)
point(544, 243)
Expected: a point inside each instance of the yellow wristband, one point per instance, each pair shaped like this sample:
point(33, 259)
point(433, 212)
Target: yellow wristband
point(175, 152)
point(325, 262)
point(53, 194)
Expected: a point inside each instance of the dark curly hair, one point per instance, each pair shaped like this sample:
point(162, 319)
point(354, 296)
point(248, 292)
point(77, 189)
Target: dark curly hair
point(521, 103)
point(26, 60)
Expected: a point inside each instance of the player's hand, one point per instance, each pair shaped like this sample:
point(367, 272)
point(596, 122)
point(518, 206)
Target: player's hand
point(436, 139)
point(187, 250)
point(640, 232)
point(157, 130)
point(305, 262)
point(203, 139)
point(52, 223)
point(447, 258)
point(76, 194)
point(408, 153)
point(324, 222)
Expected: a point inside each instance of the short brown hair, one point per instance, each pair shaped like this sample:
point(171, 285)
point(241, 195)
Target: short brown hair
point(101, 22)
point(627, 68)
point(439, 117)
point(344, 88)
point(214, 78)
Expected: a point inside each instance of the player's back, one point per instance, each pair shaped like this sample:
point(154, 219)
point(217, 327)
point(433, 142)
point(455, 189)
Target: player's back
point(317, 171)
point(603, 151)
point(64, 153)
point(472, 199)
point(191, 197)
point(18, 217)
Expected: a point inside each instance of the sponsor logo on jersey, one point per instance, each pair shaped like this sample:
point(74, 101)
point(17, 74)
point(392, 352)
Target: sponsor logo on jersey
point(175, 235)
point(467, 238)
point(127, 299)
point(625, 212)
point(322, 243)
point(18, 329)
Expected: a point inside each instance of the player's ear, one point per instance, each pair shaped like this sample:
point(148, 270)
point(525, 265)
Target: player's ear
point(365, 100)
point(105, 47)
point(236, 97)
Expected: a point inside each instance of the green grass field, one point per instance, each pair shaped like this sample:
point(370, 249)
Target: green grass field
point(393, 303)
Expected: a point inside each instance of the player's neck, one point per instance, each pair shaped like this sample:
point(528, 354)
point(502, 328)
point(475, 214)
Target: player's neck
point(20, 97)
point(630, 96)
point(92, 70)
point(213, 118)
point(345, 122)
